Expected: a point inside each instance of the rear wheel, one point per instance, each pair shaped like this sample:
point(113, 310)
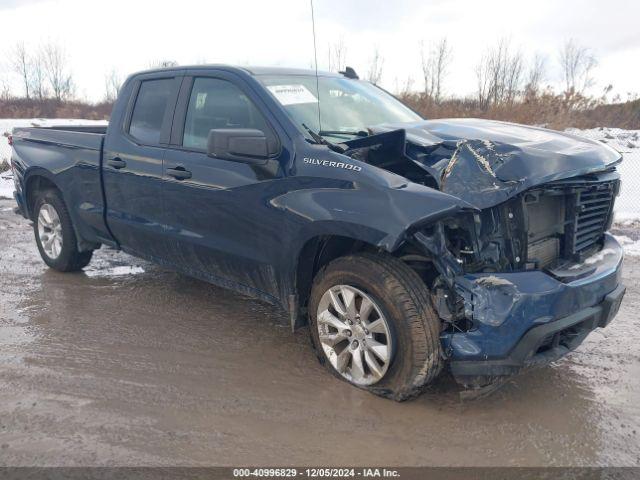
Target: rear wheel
point(372, 325)
point(55, 236)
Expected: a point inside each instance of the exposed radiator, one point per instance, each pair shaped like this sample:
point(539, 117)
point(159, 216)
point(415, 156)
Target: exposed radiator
point(546, 214)
point(567, 220)
point(544, 252)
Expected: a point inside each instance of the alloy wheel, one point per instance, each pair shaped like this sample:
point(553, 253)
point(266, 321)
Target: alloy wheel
point(50, 231)
point(354, 334)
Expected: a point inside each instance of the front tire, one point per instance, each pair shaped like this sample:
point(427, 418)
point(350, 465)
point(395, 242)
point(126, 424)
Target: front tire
point(55, 236)
point(381, 302)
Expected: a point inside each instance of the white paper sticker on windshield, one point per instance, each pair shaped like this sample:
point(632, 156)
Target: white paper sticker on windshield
point(292, 94)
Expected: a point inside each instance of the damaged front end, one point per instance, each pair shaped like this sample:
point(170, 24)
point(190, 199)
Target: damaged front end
point(523, 279)
point(522, 283)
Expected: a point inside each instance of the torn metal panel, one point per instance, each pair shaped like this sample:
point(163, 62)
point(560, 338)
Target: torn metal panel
point(391, 151)
point(490, 299)
point(503, 306)
point(472, 173)
point(482, 162)
point(436, 244)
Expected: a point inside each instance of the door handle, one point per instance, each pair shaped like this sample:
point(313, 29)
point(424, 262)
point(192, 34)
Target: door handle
point(179, 173)
point(116, 163)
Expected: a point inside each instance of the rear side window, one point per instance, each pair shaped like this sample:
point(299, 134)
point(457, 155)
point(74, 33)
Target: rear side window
point(148, 112)
point(216, 103)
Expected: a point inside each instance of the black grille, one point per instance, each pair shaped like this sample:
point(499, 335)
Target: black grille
point(591, 212)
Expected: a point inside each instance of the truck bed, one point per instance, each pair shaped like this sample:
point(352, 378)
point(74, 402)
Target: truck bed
point(76, 136)
point(72, 154)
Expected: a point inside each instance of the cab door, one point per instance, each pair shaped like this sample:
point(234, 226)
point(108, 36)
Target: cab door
point(219, 212)
point(133, 163)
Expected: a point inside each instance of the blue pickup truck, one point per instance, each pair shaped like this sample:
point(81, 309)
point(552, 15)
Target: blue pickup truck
point(406, 245)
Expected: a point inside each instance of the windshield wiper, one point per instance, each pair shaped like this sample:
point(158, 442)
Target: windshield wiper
point(316, 138)
point(323, 141)
point(359, 133)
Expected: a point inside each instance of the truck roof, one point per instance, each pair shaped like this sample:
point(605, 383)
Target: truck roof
point(252, 70)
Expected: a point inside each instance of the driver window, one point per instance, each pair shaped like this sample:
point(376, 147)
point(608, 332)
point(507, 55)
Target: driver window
point(216, 103)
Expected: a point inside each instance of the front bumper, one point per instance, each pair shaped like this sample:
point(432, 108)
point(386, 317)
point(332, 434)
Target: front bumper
point(527, 319)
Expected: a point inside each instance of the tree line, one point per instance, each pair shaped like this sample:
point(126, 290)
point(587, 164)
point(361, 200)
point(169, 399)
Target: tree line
point(509, 84)
point(512, 86)
point(503, 74)
point(44, 73)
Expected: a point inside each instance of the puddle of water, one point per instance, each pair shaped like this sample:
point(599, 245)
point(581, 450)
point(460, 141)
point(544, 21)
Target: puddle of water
point(158, 366)
point(13, 335)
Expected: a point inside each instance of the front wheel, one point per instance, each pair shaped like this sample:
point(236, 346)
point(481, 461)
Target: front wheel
point(55, 236)
point(372, 325)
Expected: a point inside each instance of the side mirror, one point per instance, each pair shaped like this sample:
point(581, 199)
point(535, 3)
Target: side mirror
point(240, 145)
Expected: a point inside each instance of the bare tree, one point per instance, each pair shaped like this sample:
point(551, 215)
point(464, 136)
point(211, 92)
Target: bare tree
point(404, 87)
point(606, 91)
point(337, 56)
point(39, 77)
point(577, 63)
point(499, 75)
point(112, 82)
point(427, 74)
point(5, 87)
point(21, 64)
point(483, 79)
point(513, 76)
point(374, 75)
point(57, 72)
point(435, 63)
point(536, 75)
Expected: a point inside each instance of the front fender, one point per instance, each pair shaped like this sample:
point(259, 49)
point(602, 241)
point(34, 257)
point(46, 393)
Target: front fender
point(375, 214)
point(378, 215)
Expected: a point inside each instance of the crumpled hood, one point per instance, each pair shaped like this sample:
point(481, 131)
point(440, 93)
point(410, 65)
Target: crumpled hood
point(486, 162)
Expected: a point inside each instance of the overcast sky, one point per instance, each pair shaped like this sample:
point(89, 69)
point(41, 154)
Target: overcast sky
point(129, 35)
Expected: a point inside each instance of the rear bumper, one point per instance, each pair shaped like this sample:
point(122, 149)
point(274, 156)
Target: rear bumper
point(527, 319)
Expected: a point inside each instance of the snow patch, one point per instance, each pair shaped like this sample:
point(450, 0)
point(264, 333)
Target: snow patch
point(631, 247)
point(6, 185)
point(114, 271)
point(595, 258)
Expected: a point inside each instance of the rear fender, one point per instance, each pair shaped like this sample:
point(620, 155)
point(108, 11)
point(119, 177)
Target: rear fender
point(34, 178)
point(30, 181)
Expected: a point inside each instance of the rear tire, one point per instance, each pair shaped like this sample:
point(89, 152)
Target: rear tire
point(403, 302)
point(55, 236)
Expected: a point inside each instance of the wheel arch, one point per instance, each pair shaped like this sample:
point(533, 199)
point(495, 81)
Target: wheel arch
point(40, 180)
point(320, 250)
point(317, 252)
point(36, 182)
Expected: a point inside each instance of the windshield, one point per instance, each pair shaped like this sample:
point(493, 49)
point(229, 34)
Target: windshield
point(346, 105)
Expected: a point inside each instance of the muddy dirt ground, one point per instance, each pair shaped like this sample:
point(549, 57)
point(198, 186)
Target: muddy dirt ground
point(131, 364)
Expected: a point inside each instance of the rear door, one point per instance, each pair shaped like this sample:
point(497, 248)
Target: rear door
point(133, 167)
point(219, 211)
